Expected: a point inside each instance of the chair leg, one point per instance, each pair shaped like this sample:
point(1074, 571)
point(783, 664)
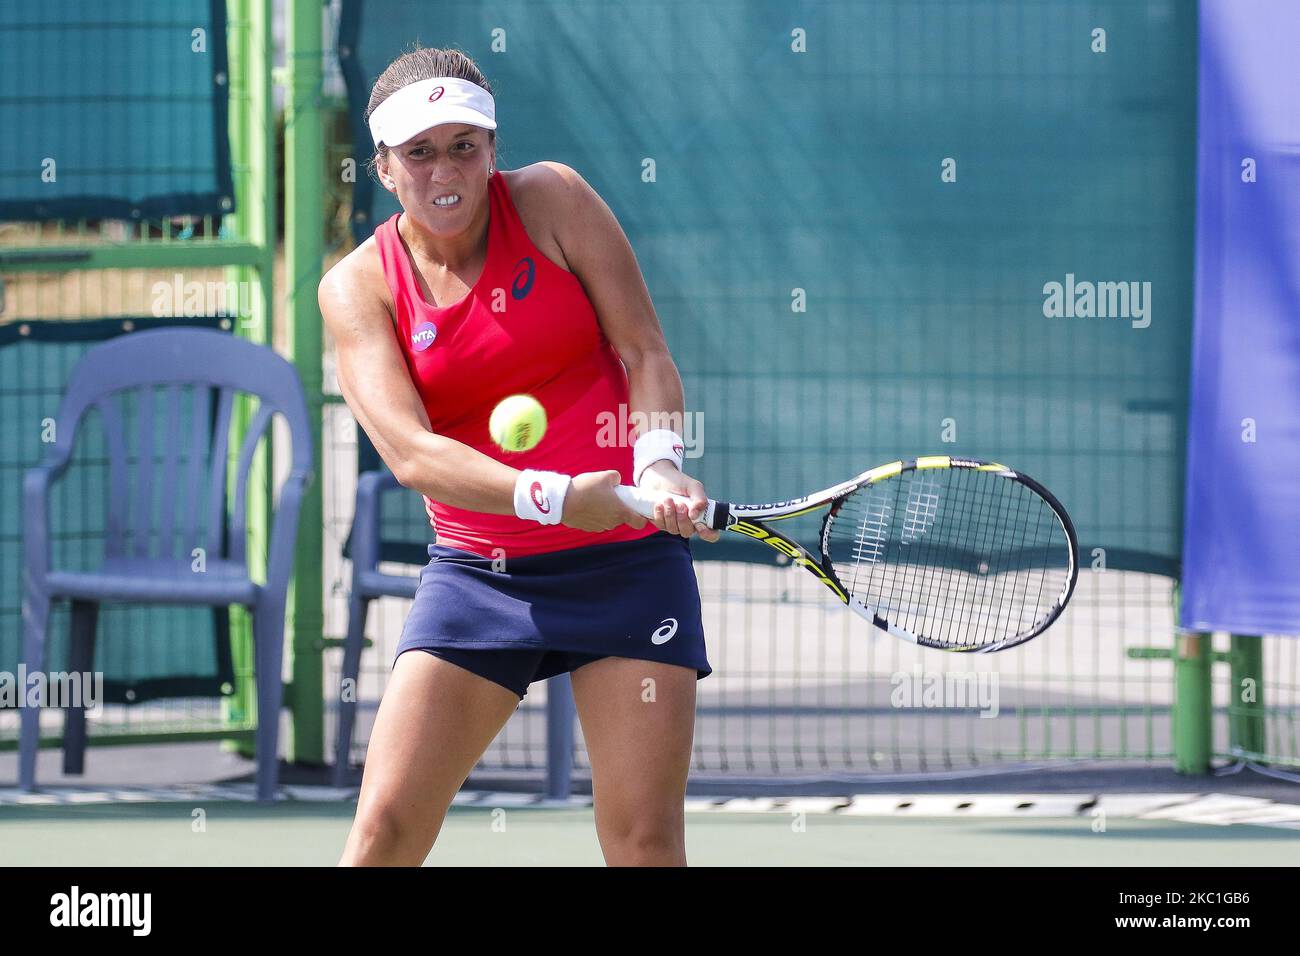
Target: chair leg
point(349, 684)
point(561, 715)
point(268, 641)
point(81, 660)
point(36, 615)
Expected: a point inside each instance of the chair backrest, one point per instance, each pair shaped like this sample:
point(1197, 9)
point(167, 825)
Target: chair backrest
point(166, 398)
point(405, 531)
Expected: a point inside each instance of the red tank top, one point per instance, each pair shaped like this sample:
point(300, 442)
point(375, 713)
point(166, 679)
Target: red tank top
point(528, 327)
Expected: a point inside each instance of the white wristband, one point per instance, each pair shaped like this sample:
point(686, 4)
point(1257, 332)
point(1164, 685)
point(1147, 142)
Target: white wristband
point(657, 445)
point(539, 495)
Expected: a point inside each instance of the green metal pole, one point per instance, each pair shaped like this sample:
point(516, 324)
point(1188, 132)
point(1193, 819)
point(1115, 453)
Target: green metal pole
point(238, 709)
point(253, 154)
point(1193, 659)
point(304, 251)
point(1246, 706)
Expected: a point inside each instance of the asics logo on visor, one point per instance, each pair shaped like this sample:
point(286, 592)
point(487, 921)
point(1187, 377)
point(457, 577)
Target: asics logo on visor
point(539, 499)
point(436, 94)
point(664, 632)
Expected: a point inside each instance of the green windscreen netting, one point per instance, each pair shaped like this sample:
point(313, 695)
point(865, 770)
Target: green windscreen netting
point(851, 216)
point(113, 109)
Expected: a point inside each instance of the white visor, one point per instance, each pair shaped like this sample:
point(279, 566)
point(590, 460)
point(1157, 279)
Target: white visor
point(427, 103)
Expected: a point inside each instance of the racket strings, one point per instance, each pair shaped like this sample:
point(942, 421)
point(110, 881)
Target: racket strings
point(999, 610)
point(1011, 555)
point(958, 557)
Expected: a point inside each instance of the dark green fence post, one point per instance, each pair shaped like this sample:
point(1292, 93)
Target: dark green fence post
point(1246, 705)
point(1193, 730)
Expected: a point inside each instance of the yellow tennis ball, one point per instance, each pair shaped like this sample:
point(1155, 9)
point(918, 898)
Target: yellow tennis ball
point(517, 423)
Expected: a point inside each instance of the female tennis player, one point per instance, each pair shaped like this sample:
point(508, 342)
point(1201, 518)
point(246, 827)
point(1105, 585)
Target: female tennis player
point(490, 283)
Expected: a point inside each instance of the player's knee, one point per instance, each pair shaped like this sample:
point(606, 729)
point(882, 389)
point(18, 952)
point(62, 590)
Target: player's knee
point(656, 841)
point(385, 833)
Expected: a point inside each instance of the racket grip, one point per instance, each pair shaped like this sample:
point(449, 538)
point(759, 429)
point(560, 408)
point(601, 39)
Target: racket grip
point(643, 502)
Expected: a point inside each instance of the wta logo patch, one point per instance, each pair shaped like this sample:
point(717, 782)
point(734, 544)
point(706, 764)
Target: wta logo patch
point(539, 499)
point(665, 631)
point(423, 335)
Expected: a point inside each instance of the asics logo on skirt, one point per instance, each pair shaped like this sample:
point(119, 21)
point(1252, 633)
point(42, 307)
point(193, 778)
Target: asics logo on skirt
point(539, 499)
point(665, 631)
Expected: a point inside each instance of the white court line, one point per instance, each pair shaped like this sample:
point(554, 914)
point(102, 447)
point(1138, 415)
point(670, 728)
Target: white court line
point(1210, 809)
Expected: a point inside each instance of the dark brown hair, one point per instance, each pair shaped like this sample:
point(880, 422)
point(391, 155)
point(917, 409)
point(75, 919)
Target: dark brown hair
point(422, 63)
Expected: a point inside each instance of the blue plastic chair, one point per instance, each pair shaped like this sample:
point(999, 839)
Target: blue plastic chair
point(151, 559)
point(368, 583)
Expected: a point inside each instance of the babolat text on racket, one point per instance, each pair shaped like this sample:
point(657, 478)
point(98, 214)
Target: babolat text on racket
point(949, 553)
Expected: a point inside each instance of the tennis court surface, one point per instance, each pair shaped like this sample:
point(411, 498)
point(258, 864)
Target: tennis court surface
point(311, 833)
point(1089, 815)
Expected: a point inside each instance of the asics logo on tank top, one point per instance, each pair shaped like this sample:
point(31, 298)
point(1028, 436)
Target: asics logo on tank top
point(539, 499)
point(525, 273)
point(664, 632)
point(422, 336)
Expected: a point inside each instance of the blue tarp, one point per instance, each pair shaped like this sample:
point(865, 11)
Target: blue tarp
point(1241, 551)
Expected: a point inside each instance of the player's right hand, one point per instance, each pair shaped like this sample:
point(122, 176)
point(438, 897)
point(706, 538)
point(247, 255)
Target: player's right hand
point(591, 503)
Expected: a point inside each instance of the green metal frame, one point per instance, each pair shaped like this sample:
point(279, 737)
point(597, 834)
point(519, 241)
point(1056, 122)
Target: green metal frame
point(187, 254)
point(1194, 658)
point(1247, 719)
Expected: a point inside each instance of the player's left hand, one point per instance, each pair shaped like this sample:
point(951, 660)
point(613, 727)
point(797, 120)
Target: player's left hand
point(664, 476)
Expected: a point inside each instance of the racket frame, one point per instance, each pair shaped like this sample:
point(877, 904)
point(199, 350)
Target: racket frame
point(749, 520)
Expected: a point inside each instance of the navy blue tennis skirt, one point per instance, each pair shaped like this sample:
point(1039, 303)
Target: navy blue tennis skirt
point(547, 614)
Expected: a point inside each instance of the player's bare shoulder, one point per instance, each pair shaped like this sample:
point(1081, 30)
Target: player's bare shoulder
point(544, 196)
point(355, 285)
point(546, 187)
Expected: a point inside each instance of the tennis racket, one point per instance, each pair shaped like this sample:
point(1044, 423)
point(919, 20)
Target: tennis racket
point(949, 553)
